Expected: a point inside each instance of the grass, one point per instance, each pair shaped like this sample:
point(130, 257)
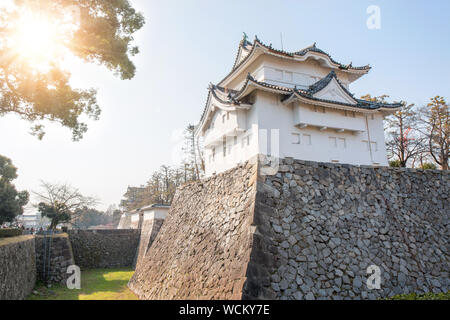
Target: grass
point(5, 241)
point(425, 296)
point(96, 284)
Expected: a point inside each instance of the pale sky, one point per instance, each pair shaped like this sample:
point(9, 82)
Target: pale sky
point(187, 44)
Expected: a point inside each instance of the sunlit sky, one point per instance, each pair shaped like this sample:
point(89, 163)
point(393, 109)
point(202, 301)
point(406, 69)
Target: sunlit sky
point(187, 44)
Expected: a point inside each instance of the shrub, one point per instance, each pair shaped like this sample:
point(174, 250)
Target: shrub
point(394, 163)
point(429, 165)
point(5, 233)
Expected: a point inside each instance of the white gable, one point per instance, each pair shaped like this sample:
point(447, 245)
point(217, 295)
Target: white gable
point(334, 92)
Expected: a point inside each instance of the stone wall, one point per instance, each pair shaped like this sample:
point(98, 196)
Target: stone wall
point(104, 248)
point(319, 226)
point(149, 230)
point(53, 256)
point(203, 247)
point(17, 267)
point(308, 232)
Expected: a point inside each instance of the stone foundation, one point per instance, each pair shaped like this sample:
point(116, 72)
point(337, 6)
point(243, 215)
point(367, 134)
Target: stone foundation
point(321, 225)
point(308, 232)
point(203, 247)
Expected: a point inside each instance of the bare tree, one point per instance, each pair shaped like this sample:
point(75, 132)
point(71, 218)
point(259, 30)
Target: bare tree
point(435, 120)
point(61, 203)
point(193, 153)
point(404, 143)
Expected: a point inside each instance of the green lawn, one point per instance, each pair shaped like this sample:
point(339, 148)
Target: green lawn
point(424, 296)
point(96, 284)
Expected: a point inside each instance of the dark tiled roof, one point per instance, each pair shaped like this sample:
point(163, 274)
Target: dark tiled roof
point(313, 48)
point(322, 83)
point(289, 92)
point(362, 104)
point(245, 43)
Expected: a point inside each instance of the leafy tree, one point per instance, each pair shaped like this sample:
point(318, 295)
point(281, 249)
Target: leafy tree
point(435, 119)
point(11, 200)
point(37, 37)
point(62, 203)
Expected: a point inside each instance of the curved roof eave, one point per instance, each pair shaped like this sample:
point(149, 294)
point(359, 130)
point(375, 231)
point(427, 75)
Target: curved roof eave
point(224, 105)
point(301, 55)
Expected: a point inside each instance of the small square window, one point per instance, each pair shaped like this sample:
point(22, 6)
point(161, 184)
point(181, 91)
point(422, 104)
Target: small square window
point(306, 138)
point(374, 146)
point(295, 138)
point(333, 142)
point(366, 143)
point(224, 146)
point(288, 76)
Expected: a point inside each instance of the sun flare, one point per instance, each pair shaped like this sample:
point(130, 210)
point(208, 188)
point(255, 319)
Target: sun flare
point(37, 40)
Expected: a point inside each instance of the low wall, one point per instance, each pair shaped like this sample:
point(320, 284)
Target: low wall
point(203, 247)
point(17, 267)
point(104, 248)
point(53, 256)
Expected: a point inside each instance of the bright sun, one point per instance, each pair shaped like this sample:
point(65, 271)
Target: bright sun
point(36, 40)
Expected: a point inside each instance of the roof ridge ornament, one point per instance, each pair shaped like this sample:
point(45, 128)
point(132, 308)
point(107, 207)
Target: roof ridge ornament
point(244, 37)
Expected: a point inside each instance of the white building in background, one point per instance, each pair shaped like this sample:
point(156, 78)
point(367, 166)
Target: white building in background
point(35, 221)
point(155, 211)
point(290, 104)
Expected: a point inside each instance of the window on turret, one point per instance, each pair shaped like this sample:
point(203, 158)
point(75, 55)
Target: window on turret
point(288, 76)
point(306, 138)
point(374, 146)
point(224, 146)
point(295, 138)
point(349, 113)
point(319, 109)
point(333, 143)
